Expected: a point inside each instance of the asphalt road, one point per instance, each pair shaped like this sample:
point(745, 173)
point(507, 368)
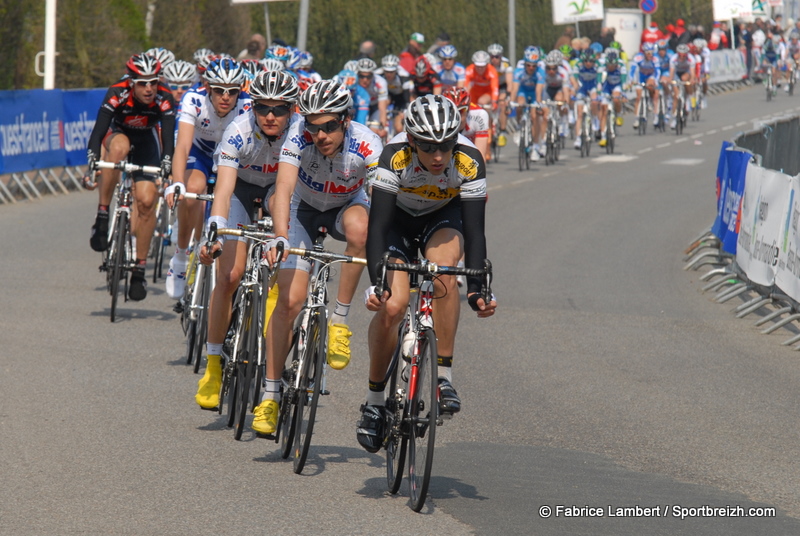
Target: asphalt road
point(607, 379)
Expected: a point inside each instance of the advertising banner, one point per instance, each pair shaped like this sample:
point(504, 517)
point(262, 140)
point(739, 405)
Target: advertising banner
point(571, 11)
point(788, 276)
point(80, 112)
point(30, 130)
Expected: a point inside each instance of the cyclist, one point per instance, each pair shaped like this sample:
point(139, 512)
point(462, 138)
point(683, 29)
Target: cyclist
point(360, 110)
point(247, 166)
point(205, 114)
point(792, 53)
point(127, 125)
point(555, 80)
point(681, 69)
point(482, 80)
point(450, 72)
point(586, 75)
point(704, 67)
point(426, 81)
point(613, 77)
point(431, 185)
point(505, 74)
point(649, 69)
point(771, 54)
point(474, 119)
point(378, 95)
point(179, 76)
point(398, 86)
point(523, 91)
point(164, 56)
point(202, 57)
point(325, 165)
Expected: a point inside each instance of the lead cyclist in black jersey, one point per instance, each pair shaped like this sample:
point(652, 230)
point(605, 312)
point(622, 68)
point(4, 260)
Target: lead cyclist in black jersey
point(430, 185)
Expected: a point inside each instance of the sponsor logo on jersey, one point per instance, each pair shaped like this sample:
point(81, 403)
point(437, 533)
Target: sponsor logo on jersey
point(466, 165)
point(287, 152)
point(165, 105)
point(432, 192)
point(236, 141)
point(401, 159)
point(136, 121)
point(226, 156)
point(359, 147)
point(205, 122)
point(327, 187)
point(266, 168)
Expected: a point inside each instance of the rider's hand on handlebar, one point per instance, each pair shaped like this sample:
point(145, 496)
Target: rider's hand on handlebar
point(169, 193)
point(483, 309)
point(373, 301)
point(272, 253)
point(207, 256)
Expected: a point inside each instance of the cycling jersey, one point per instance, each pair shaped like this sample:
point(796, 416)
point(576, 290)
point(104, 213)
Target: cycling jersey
point(399, 89)
point(587, 79)
point(482, 84)
point(245, 147)
point(553, 79)
point(134, 118)
point(648, 69)
point(425, 86)
point(325, 183)
point(680, 65)
point(613, 79)
point(527, 83)
point(360, 110)
point(793, 48)
point(197, 110)
point(377, 90)
point(452, 77)
point(477, 123)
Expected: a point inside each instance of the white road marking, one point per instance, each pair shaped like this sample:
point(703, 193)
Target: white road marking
point(607, 158)
point(710, 132)
point(683, 161)
point(663, 145)
point(645, 150)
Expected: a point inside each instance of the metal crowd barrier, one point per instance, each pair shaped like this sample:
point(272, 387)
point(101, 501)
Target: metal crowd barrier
point(33, 184)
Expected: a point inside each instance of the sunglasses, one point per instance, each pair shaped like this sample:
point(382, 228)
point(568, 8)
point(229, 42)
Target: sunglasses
point(182, 87)
point(430, 147)
point(365, 75)
point(278, 111)
point(497, 57)
point(327, 127)
point(148, 82)
point(219, 90)
point(551, 68)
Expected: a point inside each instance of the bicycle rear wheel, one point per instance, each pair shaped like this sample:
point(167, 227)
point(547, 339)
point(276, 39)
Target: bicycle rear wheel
point(247, 362)
point(310, 387)
point(286, 418)
point(423, 415)
point(201, 324)
point(523, 146)
point(118, 260)
point(396, 440)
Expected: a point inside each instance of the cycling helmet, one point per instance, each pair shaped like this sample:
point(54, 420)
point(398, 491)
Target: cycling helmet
point(682, 48)
point(480, 58)
point(447, 52)
point(662, 44)
point(270, 64)
point(615, 44)
point(164, 56)
point(588, 55)
point(348, 78)
point(143, 66)
point(251, 67)
point(612, 56)
point(566, 50)
point(179, 71)
point(224, 71)
point(531, 54)
point(278, 52)
point(201, 54)
point(295, 55)
point(432, 118)
point(554, 57)
point(325, 97)
point(366, 65)
point(596, 47)
point(693, 49)
point(700, 43)
point(351, 65)
point(423, 66)
point(647, 47)
point(274, 85)
point(495, 49)
point(390, 62)
point(305, 61)
point(459, 96)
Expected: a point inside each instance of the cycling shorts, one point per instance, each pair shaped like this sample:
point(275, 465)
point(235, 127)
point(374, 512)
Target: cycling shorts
point(200, 161)
point(145, 149)
point(530, 95)
point(241, 211)
point(305, 220)
point(553, 91)
point(407, 229)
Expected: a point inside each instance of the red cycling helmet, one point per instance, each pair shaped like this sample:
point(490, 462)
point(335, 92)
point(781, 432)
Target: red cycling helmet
point(458, 95)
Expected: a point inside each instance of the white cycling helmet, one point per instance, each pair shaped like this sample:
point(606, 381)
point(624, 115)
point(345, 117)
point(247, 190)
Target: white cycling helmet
point(481, 58)
point(179, 71)
point(554, 57)
point(495, 49)
point(351, 65)
point(325, 97)
point(201, 54)
point(274, 85)
point(366, 65)
point(432, 118)
point(390, 62)
point(225, 71)
point(164, 56)
point(683, 48)
point(271, 64)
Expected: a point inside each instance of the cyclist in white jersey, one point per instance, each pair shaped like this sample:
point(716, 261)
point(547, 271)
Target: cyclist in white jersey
point(325, 165)
point(451, 73)
point(179, 76)
point(247, 167)
point(376, 86)
point(205, 112)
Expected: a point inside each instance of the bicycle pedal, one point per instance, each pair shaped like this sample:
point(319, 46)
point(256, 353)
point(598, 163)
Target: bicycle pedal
point(271, 437)
point(178, 308)
point(214, 409)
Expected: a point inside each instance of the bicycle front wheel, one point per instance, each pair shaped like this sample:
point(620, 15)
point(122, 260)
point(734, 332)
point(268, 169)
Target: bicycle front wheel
point(118, 260)
point(523, 145)
point(247, 363)
point(396, 440)
point(310, 387)
point(286, 418)
point(201, 324)
point(423, 415)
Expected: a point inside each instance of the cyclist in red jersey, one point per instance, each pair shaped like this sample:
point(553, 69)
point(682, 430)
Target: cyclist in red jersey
point(482, 81)
point(127, 125)
point(426, 81)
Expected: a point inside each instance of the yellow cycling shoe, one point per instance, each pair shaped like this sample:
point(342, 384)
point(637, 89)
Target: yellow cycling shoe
point(208, 387)
point(501, 140)
point(338, 346)
point(602, 142)
point(266, 417)
point(620, 121)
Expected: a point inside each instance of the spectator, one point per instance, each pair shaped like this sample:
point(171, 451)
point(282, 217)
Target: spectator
point(566, 37)
point(606, 36)
point(577, 46)
point(652, 34)
point(726, 31)
point(366, 50)
point(671, 37)
point(717, 40)
point(680, 28)
point(441, 40)
point(686, 35)
point(408, 57)
point(255, 48)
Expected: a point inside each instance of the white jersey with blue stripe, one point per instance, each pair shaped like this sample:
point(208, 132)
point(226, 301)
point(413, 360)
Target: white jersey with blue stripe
point(196, 109)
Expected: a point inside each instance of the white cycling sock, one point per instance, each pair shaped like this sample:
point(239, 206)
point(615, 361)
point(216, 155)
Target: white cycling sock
point(272, 390)
point(339, 315)
point(376, 398)
point(213, 349)
point(181, 255)
point(446, 373)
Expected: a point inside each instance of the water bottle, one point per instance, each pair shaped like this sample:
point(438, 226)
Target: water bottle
point(408, 345)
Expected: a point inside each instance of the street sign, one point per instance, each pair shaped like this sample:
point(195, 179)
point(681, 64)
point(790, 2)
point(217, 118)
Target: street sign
point(648, 6)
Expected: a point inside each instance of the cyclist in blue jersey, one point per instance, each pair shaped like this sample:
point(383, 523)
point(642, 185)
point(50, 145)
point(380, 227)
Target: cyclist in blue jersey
point(587, 76)
point(523, 91)
point(649, 69)
point(451, 73)
point(773, 51)
point(613, 77)
point(554, 83)
point(360, 110)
